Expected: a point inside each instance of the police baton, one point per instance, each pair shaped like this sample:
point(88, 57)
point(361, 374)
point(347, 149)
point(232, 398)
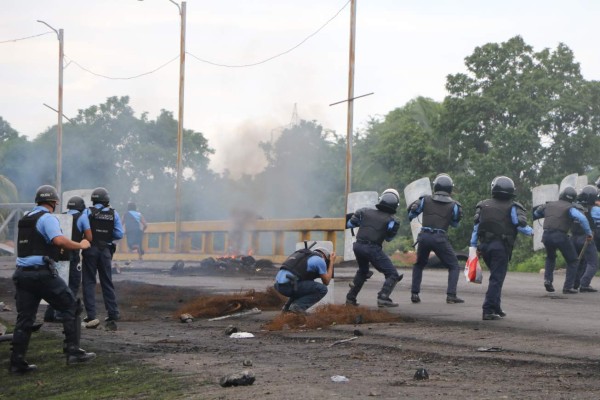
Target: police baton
point(583, 249)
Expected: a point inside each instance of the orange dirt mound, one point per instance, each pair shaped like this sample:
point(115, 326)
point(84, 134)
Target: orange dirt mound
point(330, 314)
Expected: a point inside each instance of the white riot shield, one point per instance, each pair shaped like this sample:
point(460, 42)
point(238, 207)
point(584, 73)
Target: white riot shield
point(413, 191)
point(356, 200)
point(85, 194)
point(582, 180)
point(66, 225)
point(329, 297)
point(541, 195)
point(569, 180)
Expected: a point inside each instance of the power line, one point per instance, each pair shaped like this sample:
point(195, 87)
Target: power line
point(25, 38)
point(122, 78)
point(277, 55)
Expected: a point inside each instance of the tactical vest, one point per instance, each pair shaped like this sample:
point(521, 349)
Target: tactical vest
point(297, 264)
point(556, 216)
point(576, 228)
point(436, 214)
point(373, 225)
point(30, 240)
point(495, 222)
point(102, 225)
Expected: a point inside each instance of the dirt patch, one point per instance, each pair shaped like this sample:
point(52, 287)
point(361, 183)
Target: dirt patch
point(381, 360)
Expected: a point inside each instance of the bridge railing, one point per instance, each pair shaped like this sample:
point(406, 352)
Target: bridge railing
point(265, 239)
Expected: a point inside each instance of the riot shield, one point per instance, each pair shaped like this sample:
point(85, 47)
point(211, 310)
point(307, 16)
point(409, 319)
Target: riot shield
point(356, 200)
point(582, 180)
point(541, 195)
point(62, 267)
point(413, 191)
point(85, 194)
point(313, 244)
point(569, 180)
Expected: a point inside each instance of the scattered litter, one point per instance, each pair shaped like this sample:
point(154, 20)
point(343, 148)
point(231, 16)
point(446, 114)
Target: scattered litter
point(243, 378)
point(241, 335)
point(231, 329)
point(4, 307)
point(421, 374)
point(186, 318)
point(492, 349)
point(343, 341)
point(357, 333)
point(247, 363)
point(239, 314)
point(339, 379)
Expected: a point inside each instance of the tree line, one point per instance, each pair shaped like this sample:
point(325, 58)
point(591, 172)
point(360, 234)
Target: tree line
point(513, 111)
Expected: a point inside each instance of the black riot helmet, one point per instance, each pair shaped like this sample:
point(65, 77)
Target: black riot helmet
point(443, 183)
point(588, 195)
point(76, 203)
point(100, 195)
point(46, 194)
point(388, 201)
point(131, 206)
point(568, 194)
point(503, 188)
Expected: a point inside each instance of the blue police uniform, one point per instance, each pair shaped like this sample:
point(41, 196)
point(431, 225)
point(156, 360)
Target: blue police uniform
point(497, 222)
point(439, 212)
point(98, 260)
point(588, 265)
point(559, 216)
point(301, 288)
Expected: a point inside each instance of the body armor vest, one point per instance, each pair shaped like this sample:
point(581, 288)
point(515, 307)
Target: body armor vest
point(495, 221)
point(556, 216)
point(30, 240)
point(76, 236)
point(576, 228)
point(373, 225)
point(297, 264)
point(436, 214)
point(102, 224)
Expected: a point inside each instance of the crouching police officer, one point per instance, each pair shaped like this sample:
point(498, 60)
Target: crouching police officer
point(296, 278)
point(39, 243)
point(375, 227)
point(439, 211)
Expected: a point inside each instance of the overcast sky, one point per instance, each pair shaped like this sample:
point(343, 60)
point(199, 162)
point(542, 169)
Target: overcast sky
point(404, 49)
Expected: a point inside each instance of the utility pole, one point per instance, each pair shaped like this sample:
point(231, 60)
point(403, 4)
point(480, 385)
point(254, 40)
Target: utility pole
point(182, 13)
point(350, 115)
point(61, 54)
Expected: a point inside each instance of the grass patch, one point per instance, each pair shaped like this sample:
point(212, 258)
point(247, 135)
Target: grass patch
point(109, 376)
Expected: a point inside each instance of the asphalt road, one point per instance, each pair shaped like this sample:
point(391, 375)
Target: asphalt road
point(524, 299)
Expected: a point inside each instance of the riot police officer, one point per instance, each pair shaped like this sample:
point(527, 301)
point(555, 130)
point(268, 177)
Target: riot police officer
point(588, 264)
point(376, 225)
point(440, 212)
point(296, 278)
point(39, 243)
point(75, 206)
point(558, 217)
point(497, 222)
point(105, 226)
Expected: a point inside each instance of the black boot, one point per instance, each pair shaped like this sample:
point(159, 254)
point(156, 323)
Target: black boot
point(355, 287)
point(383, 297)
point(76, 355)
point(20, 343)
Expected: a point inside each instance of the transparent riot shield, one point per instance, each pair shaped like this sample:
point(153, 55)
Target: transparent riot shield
point(569, 180)
point(413, 191)
point(582, 180)
point(62, 267)
point(313, 244)
point(85, 194)
point(356, 200)
point(541, 195)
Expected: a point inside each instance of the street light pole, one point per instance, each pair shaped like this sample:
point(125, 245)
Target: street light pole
point(182, 13)
point(61, 54)
point(350, 115)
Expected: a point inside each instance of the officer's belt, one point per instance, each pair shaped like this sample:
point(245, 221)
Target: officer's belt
point(432, 230)
point(555, 230)
point(34, 267)
point(363, 241)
